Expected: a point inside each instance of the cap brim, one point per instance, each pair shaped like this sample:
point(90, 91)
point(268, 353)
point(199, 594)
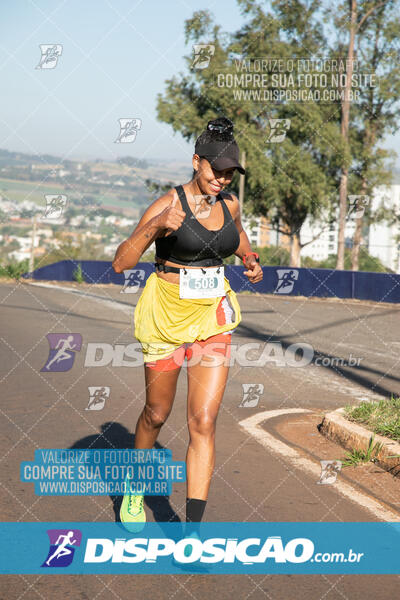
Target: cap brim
point(225, 162)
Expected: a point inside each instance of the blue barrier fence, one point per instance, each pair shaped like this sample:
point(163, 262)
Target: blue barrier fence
point(323, 283)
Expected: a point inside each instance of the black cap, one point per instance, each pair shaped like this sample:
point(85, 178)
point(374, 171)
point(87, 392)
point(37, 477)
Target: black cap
point(221, 155)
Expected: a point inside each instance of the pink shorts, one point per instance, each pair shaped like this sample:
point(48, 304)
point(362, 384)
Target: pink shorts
point(198, 348)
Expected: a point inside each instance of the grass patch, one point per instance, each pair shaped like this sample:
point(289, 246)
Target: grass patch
point(14, 270)
point(381, 417)
point(353, 458)
point(78, 274)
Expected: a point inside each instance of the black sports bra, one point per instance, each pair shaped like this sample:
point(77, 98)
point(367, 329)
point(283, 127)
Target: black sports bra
point(194, 244)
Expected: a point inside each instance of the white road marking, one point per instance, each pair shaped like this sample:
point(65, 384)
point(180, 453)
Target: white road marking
point(115, 304)
point(252, 425)
point(333, 381)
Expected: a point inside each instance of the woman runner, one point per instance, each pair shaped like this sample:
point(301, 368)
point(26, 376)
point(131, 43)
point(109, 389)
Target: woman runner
point(187, 308)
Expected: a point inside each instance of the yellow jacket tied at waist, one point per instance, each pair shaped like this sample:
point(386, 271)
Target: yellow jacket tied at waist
point(164, 321)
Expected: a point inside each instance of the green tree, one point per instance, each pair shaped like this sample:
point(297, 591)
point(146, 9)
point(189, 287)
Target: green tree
point(351, 18)
point(290, 180)
point(156, 188)
point(367, 262)
point(377, 113)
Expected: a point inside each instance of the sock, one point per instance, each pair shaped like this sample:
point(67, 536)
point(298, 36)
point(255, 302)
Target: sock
point(194, 513)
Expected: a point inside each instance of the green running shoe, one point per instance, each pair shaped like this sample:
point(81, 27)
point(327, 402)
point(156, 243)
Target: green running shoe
point(132, 513)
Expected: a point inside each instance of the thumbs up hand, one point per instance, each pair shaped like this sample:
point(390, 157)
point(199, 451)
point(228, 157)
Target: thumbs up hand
point(171, 218)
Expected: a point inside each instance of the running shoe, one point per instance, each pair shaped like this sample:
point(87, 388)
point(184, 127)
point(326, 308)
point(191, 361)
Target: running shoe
point(188, 548)
point(132, 513)
point(192, 567)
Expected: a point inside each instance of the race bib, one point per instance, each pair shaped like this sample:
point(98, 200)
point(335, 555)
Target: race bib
point(194, 283)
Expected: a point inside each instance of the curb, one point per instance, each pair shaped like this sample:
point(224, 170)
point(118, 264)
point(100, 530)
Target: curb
point(354, 436)
point(254, 427)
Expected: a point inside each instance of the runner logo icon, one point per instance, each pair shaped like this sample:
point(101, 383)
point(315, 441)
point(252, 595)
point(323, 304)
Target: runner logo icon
point(50, 54)
point(357, 206)
point(287, 279)
point(55, 205)
point(62, 351)
point(62, 547)
point(251, 394)
point(133, 277)
point(329, 471)
point(202, 55)
point(278, 130)
point(97, 397)
point(128, 130)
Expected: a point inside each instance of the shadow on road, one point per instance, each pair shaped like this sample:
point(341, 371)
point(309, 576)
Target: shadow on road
point(114, 436)
point(357, 374)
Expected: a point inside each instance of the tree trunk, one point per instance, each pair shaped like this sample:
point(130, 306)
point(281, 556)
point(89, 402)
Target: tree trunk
point(295, 249)
point(369, 138)
point(342, 217)
point(344, 131)
point(355, 251)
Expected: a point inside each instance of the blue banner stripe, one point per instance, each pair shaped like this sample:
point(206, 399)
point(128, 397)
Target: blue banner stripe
point(226, 548)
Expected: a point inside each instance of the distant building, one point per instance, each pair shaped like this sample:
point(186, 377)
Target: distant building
point(76, 221)
point(90, 234)
point(25, 253)
point(110, 249)
point(384, 238)
point(63, 172)
point(124, 222)
point(326, 243)
point(381, 239)
point(20, 254)
point(258, 231)
point(47, 233)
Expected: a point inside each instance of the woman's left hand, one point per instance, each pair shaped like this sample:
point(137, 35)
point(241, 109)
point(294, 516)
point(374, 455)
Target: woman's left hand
point(254, 271)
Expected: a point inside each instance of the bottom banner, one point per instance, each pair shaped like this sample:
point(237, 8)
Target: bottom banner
point(157, 548)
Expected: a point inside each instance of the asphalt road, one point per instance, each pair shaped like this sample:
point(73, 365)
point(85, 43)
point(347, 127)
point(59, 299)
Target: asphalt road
point(47, 410)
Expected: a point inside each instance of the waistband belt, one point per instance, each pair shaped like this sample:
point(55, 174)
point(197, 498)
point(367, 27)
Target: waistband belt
point(166, 268)
point(169, 269)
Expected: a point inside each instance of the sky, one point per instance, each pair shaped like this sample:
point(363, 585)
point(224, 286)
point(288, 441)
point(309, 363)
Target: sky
point(116, 57)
